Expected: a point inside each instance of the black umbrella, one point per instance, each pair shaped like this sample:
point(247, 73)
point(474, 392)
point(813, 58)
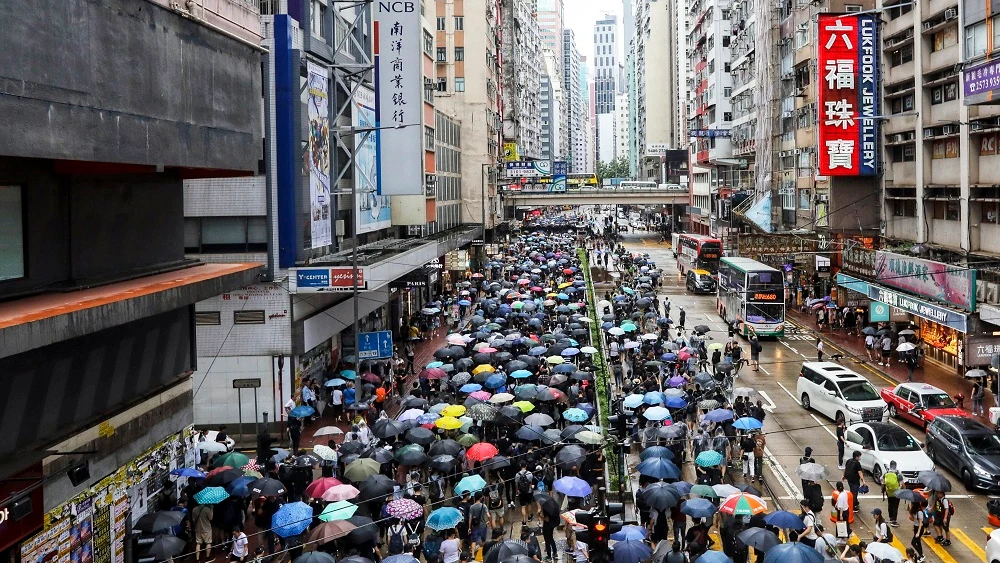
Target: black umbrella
point(481, 358)
point(412, 402)
point(549, 505)
point(445, 447)
point(496, 462)
point(464, 364)
point(411, 457)
point(583, 376)
point(442, 462)
point(526, 392)
point(515, 365)
point(505, 550)
point(267, 487)
point(165, 547)
point(934, 481)
point(380, 455)
point(501, 357)
point(444, 354)
point(759, 538)
point(571, 456)
point(518, 559)
point(356, 559)
point(457, 352)
point(661, 496)
point(223, 478)
point(510, 415)
point(348, 448)
point(724, 367)
point(388, 428)
point(749, 489)
point(159, 521)
point(365, 531)
point(532, 361)
point(570, 431)
point(909, 495)
point(315, 557)
point(420, 435)
point(375, 486)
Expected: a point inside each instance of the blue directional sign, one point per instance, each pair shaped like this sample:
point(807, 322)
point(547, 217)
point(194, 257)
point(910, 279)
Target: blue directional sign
point(375, 345)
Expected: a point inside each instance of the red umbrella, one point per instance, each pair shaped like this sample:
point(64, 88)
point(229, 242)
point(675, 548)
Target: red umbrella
point(432, 373)
point(371, 377)
point(218, 470)
point(481, 451)
point(320, 486)
point(567, 271)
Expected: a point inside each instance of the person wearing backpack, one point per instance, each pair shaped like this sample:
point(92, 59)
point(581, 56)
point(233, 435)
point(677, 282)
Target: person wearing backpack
point(525, 483)
point(883, 534)
point(397, 537)
point(890, 484)
point(495, 502)
point(943, 511)
point(432, 548)
point(479, 519)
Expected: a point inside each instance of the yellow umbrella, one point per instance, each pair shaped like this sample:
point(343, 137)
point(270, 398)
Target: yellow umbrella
point(482, 368)
point(525, 406)
point(453, 411)
point(555, 360)
point(448, 423)
point(564, 285)
point(552, 295)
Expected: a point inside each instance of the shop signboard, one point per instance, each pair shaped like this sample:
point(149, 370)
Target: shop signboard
point(822, 264)
point(848, 62)
point(337, 278)
point(979, 350)
point(858, 260)
point(878, 312)
point(528, 168)
point(510, 152)
point(318, 157)
point(919, 307)
point(955, 285)
point(375, 345)
point(981, 79)
point(373, 208)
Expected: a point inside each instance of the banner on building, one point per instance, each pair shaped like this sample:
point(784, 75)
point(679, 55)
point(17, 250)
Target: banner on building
point(848, 94)
point(399, 86)
point(373, 209)
point(318, 102)
point(510, 153)
point(955, 285)
point(981, 79)
point(528, 168)
point(560, 169)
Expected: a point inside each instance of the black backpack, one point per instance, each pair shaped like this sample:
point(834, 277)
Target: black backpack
point(524, 483)
point(396, 543)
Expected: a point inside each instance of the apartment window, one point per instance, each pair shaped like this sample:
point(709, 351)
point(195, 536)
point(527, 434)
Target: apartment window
point(225, 234)
point(244, 317)
point(945, 148)
point(990, 211)
point(442, 54)
point(975, 39)
point(725, 67)
point(207, 318)
point(725, 40)
point(944, 39)
point(947, 210)
point(901, 56)
point(428, 43)
point(459, 23)
point(442, 85)
point(805, 199)
point(902, 104)
point(460, 84)
point(904, 208)
point(727, 116)
point(11, 233)
point(440, 24)
point(429, 138)
point(459, 53)
point(849, 8)
point(727, 92)
point(900, 11)
point(903, 153)
point(317, 13)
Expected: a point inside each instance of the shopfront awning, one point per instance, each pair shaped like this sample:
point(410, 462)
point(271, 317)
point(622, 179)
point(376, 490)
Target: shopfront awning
point(945, 316)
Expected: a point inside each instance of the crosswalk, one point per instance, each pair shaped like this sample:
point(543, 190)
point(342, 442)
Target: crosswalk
point(802, 337)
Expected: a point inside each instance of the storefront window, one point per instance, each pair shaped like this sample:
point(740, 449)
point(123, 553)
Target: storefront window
point(941, 337)
point(11, 234)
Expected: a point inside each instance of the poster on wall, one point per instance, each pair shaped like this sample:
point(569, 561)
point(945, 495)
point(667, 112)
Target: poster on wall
point(943, 282)
point(50, 546)
point(318, 158)
point(373, 211)
point(81, 533)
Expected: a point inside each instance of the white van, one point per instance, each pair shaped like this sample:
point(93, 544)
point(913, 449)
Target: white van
point(839, 393)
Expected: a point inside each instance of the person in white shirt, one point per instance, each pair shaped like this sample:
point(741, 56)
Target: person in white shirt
point(809, 535)
point(240, 542)
point(579, 550)
point(337, 402)
point(450, 548)
point(289, 405)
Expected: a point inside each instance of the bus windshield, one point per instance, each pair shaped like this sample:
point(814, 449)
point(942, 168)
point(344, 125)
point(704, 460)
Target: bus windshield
point(765, 313)
point(765, 281)
point(709, 257)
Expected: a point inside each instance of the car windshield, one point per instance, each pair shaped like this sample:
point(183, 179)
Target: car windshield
point(858, 391)
point(938, 401)
point(897, 442)
point(983, 444)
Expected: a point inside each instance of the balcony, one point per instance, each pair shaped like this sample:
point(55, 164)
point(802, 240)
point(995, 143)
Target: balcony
point(901, 228)
point(989, 169)
point(904, 173)
point(944, 171)
point(937, 6)
point(899, 73)
point(946, 233)
point(944, 58)
point(946, 112)
point(805, 137)
point(899, 24)
point(900, 124)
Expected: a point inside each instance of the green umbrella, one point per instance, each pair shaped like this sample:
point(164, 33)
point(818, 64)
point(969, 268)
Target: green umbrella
point(467, 440)
point(361, 469)
point(704, 491)
point(517, 305)
point(708, 458)
point(232, 459)
point(629, 327)
point(340, 510)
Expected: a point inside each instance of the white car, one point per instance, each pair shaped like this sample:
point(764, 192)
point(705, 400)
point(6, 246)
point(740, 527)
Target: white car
point(993, 547)
point(839, 393)
point(881, 443)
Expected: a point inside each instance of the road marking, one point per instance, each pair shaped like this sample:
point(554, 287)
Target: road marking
point(784, 479)
point(847, 354)
point(973, 546)
point(824, 427)
point(763, 369)
point(794, 398)
point(939, 550)
point(770, 406)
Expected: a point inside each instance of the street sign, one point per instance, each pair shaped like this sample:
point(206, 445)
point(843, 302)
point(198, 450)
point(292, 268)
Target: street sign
point(249, 383)
point(375, 345)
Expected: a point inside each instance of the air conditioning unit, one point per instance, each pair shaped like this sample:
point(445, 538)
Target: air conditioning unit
point(950, 129)
point(788, 76)
point(786, 114)
point(950, 14)
point(992, 292)
point(927, 25)
point(796, 151)
point(928, 133)
point(783, 41)
point(800, 91)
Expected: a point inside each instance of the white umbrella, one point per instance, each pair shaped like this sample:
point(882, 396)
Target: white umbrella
point(616, 331)
point(650, 336)
point(905, 347)
point(325, 452)
point(906, 332)
point(588, 350)
point(501, 398)
point(631, 344)
point(410, 414)
point(328, 431)
point(603, 303)
point(881, 551)
point(212, 446)
point(587, 320)
point(743, 392)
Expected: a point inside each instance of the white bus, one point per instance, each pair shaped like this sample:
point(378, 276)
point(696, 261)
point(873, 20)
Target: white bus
point(635, 185)
point(752, 295)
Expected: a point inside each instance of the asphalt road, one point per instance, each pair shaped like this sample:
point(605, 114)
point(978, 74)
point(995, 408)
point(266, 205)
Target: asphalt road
point(790, 428)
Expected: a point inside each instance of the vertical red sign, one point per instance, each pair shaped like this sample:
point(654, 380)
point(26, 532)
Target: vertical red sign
point(839, 148)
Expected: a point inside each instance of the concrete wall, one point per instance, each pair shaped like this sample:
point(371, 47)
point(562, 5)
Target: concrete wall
point(226, 339)
point(126, 81)
point(216, 402)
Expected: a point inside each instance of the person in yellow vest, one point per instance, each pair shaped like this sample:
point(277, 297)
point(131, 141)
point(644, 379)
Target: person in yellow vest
point(843, 508)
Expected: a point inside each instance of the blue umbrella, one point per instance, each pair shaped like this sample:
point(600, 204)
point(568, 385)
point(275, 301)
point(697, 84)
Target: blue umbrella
point(708, 458)
point(471, 388)
point(698, 508)
point(570, 352)
point(668, 357)
point(538, 351)
point(349, 374)
point(654, 398)
point(444, 518)
point(606, 325)
point(472, 483)
point(401, 558)
point(434, 365)
point(302, 411)
point(629, 533)
point(496, 381)
point(748, 423)
point(785, 520)
point(335, 382)
point(564, 368)
point(562, 296)
point(464, 302)
point(658, 468)
point(572, 487)
point(575, 415)
point(520, 374)
point(712, 556)
point(656, 451)
point(793, 552)
point(188, 472)
point(238, 488)
point(587, 408)
point(531, 432)
point(292, 519)
point(675, 403)
point(656, 413)
point(719, 415)
point(683, 487)
point(633, 401)
point(211, 495)
point(632, 551)
point(428, 418)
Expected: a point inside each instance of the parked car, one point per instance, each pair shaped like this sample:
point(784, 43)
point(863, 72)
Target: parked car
point(993, 546)
point(839, 393)
point(700, 281)
point(881, 443)
point(968, 448)
point(919, 403)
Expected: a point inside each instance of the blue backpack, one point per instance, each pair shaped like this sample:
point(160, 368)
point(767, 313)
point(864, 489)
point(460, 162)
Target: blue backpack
point(432, 547)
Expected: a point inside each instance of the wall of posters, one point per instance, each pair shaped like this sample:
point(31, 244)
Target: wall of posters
point(318, 155)
point(373, 209)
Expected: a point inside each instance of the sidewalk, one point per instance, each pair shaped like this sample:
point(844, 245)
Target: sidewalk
point(853, 348)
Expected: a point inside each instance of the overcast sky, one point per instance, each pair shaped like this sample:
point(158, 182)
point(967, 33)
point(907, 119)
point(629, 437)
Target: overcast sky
point(580, 17)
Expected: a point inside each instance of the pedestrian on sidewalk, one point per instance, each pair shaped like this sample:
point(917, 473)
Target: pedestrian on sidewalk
point(886, 350)
point(890, 484)
point(911, 364)
point(870, 346)
point(841, 442)
point(411, 353)
point(755, 350)
point(819, 349)
point(978, 393)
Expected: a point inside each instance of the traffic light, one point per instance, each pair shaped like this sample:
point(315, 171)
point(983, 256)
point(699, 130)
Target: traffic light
point(618, 422)
point(600, 530)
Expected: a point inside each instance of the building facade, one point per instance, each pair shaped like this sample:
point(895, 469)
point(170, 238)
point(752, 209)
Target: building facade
point(656, 89)
point(576, 104)
point(522, 68)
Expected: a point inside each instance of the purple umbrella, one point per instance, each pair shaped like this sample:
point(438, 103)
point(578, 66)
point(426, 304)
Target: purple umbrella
point(676, 381)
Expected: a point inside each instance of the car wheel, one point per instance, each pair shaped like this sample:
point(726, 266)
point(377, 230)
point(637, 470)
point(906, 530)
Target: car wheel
point(877, 473)
point(931, 453)
point(840, 417)
point(893, 412)
point(806, 404)
point(967, 479)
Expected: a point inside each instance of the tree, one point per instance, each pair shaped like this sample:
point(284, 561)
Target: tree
point(617, 168)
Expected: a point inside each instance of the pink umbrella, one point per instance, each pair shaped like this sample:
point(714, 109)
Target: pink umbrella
point(340, 492)
point(683, 355)
point(487, 350)
point(481, 395)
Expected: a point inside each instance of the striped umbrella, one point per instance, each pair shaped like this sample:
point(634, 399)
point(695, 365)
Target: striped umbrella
point(404, 509)
point(742, 504)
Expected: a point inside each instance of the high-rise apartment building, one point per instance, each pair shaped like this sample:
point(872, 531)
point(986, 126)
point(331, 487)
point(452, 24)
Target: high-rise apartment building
point(605, 62)
point(550, 98)
point(521, 70)
point(583, 156)
point(575, 102)
point(656, 83)
point(551, 25)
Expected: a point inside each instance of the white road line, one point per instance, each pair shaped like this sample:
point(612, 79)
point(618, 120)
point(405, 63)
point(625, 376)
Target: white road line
point(763, 369)
point(770, 406)
point(707, 316)
point(790, 394)
point(784, 480)
point(823, 425)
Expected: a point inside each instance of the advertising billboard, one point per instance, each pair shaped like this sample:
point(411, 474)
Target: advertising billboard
point(955, 285)
point(337, 278)
point(373, 208)
point(981, 79)
point(528, 168)
point(399, 96)
point(318, 103)
point(848, 94)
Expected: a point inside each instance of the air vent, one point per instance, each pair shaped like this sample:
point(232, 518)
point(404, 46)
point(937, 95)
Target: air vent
point(248, 317)
point(207, 318)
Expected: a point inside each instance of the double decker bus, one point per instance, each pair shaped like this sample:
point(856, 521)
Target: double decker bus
point(698, 252)
point(753, 295)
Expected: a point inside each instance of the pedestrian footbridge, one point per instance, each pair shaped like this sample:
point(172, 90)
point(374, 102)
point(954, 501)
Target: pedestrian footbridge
point(596, 196)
